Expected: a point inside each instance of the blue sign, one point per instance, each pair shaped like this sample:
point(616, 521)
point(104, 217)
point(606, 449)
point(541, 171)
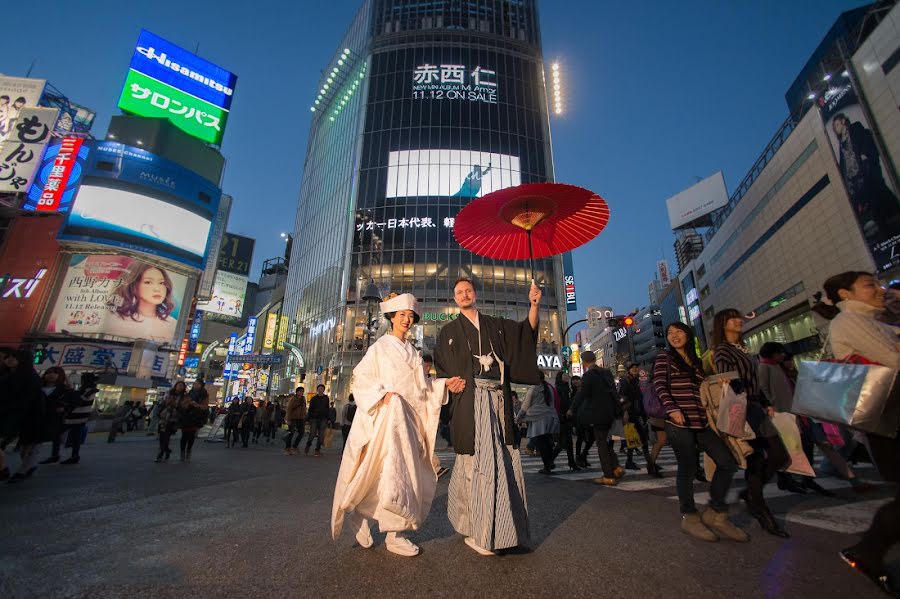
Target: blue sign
point(72, 183)
point(112, 160)
point(566, 352)
point(183, 70)
point(259, 359)
point(193, 362)
point(232, 347)
point(194, 335)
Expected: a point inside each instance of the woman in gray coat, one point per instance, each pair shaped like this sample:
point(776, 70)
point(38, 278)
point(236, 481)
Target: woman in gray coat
point(539, 411)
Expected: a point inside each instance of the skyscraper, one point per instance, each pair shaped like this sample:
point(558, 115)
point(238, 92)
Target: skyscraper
point(425, 106)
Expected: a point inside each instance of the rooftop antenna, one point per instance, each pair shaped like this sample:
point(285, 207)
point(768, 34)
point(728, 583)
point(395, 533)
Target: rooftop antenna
point(31, 68)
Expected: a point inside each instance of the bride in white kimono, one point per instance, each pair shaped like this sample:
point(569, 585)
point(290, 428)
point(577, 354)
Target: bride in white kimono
point(387, 474)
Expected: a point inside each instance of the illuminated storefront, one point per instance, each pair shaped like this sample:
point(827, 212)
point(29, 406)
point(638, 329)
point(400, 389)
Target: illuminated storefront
point(437, 107)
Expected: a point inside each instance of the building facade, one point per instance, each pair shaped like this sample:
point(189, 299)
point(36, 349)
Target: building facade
point(425, 107)
point(805, 213)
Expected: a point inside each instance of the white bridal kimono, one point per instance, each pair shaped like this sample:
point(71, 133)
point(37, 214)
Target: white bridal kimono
point(387, 473)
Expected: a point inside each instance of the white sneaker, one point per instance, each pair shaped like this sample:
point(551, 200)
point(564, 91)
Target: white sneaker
point(478, 548)
point(364, 535)
point(400, 545)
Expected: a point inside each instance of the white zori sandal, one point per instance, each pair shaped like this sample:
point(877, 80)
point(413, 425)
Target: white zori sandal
point(400, 545)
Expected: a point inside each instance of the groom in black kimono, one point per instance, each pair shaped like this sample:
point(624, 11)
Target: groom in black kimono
point(486, 500)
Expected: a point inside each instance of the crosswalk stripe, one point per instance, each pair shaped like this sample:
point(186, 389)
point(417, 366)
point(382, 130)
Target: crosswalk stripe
point(771, 491)
point(847, 518)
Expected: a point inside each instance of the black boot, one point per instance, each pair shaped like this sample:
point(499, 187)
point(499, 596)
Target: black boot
point(812, 485)
point(159, 457)
point(786, 482)
point(767, 521)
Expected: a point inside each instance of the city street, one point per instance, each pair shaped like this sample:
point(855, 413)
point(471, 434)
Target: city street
point(255, 523)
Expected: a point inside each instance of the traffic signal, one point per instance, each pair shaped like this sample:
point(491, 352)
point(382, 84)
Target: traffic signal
point(628, 321)
point(617, 322)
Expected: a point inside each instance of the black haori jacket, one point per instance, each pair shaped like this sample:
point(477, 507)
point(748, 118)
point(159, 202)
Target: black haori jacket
point(514, 342)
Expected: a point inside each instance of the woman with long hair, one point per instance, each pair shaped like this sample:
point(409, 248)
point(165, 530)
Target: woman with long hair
point(144, 303)
point(387, 474)
point(539, 411)
point(167, 416)
point(677, 375)
point(853, 301)
point(57, 396)
point(769, 455)
point(24, 387)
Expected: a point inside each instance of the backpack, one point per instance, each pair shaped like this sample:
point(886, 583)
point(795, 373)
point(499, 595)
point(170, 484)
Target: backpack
point(652, 405)
point(351, 412)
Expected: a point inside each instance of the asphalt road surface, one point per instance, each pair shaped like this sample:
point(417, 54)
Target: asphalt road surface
point(243, 523)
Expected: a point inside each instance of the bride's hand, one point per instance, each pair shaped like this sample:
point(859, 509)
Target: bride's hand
point(456, 384)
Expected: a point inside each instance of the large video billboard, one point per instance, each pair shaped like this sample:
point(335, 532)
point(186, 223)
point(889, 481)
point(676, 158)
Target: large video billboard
point(456, 173)
point(15, 94)
point(113, 160)
point(228, 295)
point(872, 197)
point(118, 296)
point(126, 219)
point(167, 81)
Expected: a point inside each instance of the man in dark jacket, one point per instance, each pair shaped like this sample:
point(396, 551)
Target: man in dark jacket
point(597, 405)
point(248, 414)
point(319, 408)
point(633, 400)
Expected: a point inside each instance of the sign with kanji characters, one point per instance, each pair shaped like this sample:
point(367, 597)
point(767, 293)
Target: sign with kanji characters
point(194, 335)
point(59, 176)
point(118, 296)
point(283, 323)
point(92, 356)
point(182, 351)
point(21, 152)
point(164, 61)
point(454, 82)
point(454, 173)
point(269, 335)
point(265, 359)
point(145, 96)
point(15, 94)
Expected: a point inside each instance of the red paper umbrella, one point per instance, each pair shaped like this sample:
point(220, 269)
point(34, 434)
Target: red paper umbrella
point(535, 220)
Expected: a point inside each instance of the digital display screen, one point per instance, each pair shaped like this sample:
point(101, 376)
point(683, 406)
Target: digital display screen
point(455, 173)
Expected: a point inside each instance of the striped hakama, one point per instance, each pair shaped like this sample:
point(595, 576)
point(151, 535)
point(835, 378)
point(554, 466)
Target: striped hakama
point(486, 500)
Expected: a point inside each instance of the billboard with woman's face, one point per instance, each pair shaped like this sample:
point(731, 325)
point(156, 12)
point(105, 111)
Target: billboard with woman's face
point(118, 296)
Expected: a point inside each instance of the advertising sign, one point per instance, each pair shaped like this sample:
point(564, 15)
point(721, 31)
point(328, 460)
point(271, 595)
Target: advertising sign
point(112, 160)
point(250, 337)
point(456, 173)
point(228, 295)
point(282, 331)
point(183, 70)
point(662, 268)
point(145, 96)
point(569, 282)
point(269, 334)
point(872, 197)
point(689, 207)
point(182, 352)
point(236, 254)
point(21, 151)
point(15, 94)
point(194, 335)
point(59, 176)
point(264, 359)
point(454, 82)
point(118, 296)
point(94, 356)
point(207, 279)
point(132, 220)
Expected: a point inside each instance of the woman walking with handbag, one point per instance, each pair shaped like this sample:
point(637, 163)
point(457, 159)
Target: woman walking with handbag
point(769, 455)
point(677, 374)
point(539, 411)
point(856, 299)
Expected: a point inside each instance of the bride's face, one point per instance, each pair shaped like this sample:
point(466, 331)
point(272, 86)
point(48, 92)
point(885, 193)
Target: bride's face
point(402, 321)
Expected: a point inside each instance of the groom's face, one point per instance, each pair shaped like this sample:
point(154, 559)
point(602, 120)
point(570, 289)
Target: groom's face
point(464, 295)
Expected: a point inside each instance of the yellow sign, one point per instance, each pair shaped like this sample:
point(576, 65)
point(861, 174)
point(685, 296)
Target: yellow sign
point(282, 332)
point(269, 337)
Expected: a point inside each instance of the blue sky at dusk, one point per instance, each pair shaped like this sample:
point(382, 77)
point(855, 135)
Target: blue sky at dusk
point(657, 94)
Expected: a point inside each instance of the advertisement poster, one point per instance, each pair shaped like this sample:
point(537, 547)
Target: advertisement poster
point(94, 356)
point(229, 290)
point(118, 296)
point(872, 197)
point(15, 94)
point(25, 141)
